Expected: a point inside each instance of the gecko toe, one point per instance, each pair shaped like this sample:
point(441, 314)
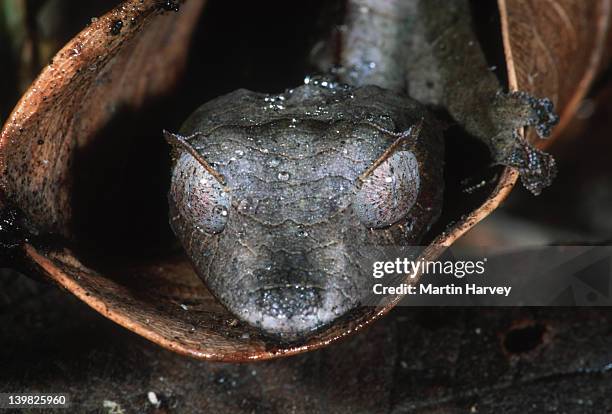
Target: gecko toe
point(542, 113)
point(537, 168)
point(514, 111)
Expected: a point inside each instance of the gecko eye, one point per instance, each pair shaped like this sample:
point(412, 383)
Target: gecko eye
point(198, 196)
point(389, 192)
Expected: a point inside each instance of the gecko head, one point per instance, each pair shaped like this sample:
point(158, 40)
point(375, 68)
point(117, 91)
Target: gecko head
point(278, 209)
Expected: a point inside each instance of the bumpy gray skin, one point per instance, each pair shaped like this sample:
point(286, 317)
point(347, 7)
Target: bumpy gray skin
point(278, 199)
point(428, 49)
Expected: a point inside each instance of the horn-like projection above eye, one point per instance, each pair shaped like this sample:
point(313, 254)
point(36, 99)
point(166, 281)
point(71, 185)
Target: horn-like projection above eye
point(198, 196)
point(389, 192)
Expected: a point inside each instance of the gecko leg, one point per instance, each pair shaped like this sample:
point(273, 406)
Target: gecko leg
point(511, 112)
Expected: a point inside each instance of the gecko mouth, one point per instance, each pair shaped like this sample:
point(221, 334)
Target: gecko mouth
point(290, 310)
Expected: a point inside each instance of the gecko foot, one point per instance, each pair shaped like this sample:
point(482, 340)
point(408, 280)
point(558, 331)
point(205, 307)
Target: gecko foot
point(540, 113)
point(537, 168)
point(513, 112)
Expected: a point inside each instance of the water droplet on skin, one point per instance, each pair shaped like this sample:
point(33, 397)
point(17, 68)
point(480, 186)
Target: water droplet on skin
point(388, 179)
point(152, 397)
point(274, 162)
point(239, 153)
point(244, 206)
point(220, 210)
point(283, 175)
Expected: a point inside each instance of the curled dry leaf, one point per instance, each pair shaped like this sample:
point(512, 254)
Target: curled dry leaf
point(135, 53)
point(555, 48)
point(118, 62)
